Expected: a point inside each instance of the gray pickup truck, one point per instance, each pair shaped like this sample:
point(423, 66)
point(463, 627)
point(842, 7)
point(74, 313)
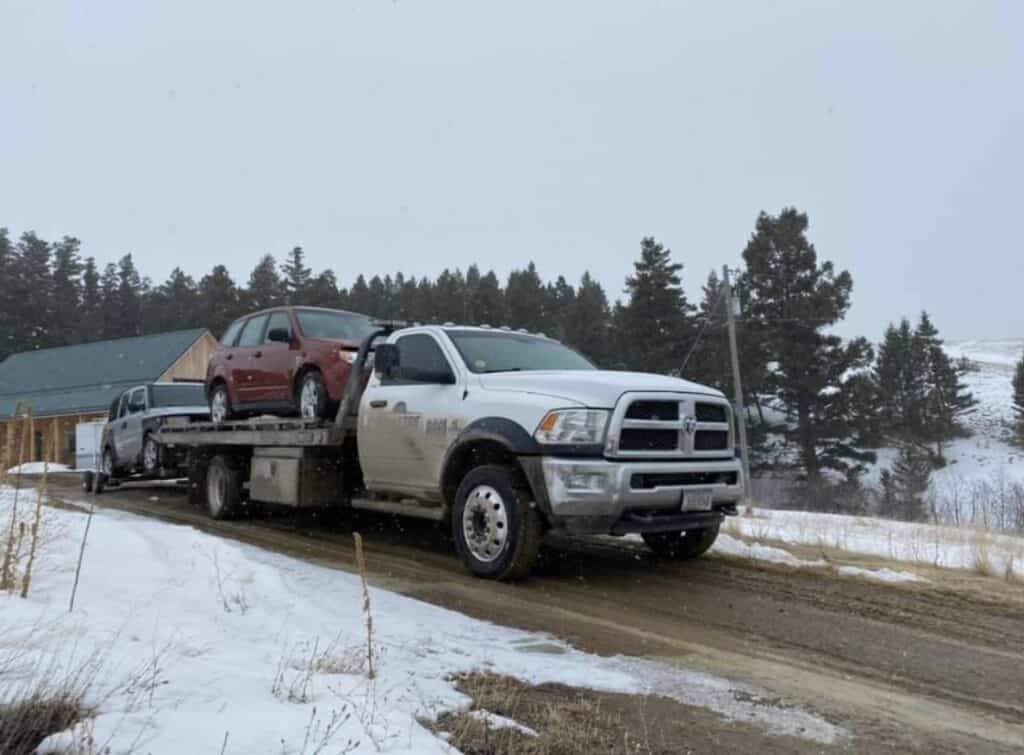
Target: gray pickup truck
point(130, 448)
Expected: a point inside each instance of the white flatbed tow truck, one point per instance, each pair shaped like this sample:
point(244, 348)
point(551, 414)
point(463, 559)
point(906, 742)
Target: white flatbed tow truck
point(503, 434)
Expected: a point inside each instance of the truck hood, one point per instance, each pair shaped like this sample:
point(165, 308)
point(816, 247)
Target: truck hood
point(596, 388)
point(178, 411)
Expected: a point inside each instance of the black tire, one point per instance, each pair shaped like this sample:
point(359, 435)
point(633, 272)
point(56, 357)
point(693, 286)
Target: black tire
point(103, 478)
point(494, 485)
point(99, 483)
point(223, 489)
point(319, 407)
point(150, 459)
point(197, 466)
point(220, 393)
point(88, 480)
point(681, 546)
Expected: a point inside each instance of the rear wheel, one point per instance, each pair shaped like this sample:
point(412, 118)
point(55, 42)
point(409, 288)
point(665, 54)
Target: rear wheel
point(312, 398)
point(495, 524)
point(220, 403)
point(680, 546)
point(105, 475)
point(88, 479)
point(223, 489)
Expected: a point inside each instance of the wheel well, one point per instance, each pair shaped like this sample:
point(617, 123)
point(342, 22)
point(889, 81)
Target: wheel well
point(301, 373)
point(469, 456)
point(213, 386)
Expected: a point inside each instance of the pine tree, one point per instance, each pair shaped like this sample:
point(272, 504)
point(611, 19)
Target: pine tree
point(174, 305)
point(899, 376)
point(130, 292)
point(219, 300)
point(265, 288)
point(297, 278)
point(450, 301)
point(359, 298)
point(793, 300)
point(588, 322)
point(526, 300)
point(487, 301)
point(8, 303)
point(655, 325)
point(322, 291)
point(67, 292)
point(708, 351)
point(909, 481)
point(32, 292)
point(112, 325)
point(946, 398)
point(1018, 402)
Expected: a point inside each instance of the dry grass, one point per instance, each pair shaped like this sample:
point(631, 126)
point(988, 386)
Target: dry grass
point(565, 723)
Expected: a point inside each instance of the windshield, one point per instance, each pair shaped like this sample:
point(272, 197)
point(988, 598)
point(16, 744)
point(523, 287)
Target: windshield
point(340, 326)
point(186, 394)
point(513, 352)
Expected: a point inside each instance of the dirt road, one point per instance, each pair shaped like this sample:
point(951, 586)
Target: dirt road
point(937, 668)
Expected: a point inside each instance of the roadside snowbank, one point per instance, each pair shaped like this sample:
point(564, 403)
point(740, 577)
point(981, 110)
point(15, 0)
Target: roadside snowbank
point(198, 640)
point(934, 545)
point(39, 467)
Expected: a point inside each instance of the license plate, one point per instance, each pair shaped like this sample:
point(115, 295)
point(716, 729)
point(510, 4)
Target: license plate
point(697, 500)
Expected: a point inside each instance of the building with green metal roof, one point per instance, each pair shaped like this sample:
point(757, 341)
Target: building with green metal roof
point(65, 385)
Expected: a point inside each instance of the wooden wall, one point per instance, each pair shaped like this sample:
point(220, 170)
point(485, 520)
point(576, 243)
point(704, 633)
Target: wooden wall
point(192, 364)
point(41, 438)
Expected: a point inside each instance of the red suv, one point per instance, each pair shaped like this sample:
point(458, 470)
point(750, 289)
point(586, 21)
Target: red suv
point(284, 360)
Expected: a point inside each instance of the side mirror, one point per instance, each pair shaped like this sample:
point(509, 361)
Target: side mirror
point(385, 358)
point(279, 335)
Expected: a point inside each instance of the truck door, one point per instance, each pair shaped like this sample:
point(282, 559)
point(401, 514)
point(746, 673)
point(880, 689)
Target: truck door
point(273, 369)
point(405, 419)
point(248, 355)
point(128, 437)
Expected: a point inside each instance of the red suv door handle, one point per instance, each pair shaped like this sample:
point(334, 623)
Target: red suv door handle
point(258, 354)
point(230, 356)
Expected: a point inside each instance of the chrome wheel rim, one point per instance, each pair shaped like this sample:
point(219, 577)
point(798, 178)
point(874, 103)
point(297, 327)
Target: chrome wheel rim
point(309, 398)
point(219, 406)
point(485, 523)
point(149, 454)
point(216, 488)
point(107, 464)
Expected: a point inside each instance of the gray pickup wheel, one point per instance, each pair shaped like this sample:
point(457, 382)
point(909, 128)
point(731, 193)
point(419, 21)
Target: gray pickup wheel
point(680, 546)
point(223, 488)
point(495, 524)
point(150, 454)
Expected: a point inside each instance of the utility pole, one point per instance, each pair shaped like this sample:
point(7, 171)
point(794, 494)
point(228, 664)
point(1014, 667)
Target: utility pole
point(731, 307)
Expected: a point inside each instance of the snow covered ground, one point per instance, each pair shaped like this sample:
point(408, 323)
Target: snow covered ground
point(925, 544)
point(38, 467)
point(196, 644)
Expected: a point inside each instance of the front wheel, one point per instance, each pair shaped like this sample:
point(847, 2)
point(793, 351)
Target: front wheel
point(151, 455)
point(681, 546)
point(495, 524)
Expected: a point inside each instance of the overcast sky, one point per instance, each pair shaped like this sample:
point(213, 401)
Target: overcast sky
point(416, 135)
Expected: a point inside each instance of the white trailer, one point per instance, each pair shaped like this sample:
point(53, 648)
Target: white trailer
point(88, 441)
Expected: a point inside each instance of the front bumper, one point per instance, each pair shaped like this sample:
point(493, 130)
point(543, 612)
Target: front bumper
point(618, 497)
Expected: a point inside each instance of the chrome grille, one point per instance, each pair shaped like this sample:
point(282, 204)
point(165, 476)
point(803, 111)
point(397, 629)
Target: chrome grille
point(670, 426)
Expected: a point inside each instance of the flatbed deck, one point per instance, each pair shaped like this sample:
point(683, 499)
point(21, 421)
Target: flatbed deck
point(261, 431)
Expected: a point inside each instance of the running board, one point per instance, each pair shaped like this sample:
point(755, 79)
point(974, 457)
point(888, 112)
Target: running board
point(410, 508)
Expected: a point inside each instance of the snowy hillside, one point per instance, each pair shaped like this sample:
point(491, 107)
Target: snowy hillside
point(990, 383)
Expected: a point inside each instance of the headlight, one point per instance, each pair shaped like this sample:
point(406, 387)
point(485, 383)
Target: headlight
point(573, 426)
